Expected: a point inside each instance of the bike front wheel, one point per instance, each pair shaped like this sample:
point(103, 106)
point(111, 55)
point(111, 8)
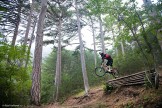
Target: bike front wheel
point(99, 71)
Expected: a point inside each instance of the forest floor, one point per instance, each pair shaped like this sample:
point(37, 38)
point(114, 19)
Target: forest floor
point(123, 97)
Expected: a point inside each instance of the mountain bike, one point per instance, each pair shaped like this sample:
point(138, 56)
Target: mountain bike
point(101, 71)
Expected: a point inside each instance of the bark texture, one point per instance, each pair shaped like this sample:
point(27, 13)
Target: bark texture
point(85, 78)
point(116, 49)
point(17, 24)
point(30, 43)
point(36, 75)
point(28, 25)
point(58, 64)
point(94, 42)
point(102, 36)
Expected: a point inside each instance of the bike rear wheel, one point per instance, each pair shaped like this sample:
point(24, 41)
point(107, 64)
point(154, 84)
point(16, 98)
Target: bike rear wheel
point(99, 71)
point(115, 73)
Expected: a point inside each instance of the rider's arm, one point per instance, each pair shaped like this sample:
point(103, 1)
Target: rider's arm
point(102, 60)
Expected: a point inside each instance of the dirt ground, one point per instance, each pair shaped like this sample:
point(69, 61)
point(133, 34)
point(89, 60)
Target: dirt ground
point(123, 97)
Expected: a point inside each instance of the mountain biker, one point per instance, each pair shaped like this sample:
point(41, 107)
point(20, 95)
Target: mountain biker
point(109, 63)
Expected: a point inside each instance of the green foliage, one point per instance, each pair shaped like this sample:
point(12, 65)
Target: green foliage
point(130, 32)
point(15, 81)
point(71, 78)
point(148, 82)
point(131, 62)
point(108, 88)
point(3, 8)
point(129, 105)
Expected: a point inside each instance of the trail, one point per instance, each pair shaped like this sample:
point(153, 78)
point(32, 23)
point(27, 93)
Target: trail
point(138, 96)
point(80, 102)
point(125, 96)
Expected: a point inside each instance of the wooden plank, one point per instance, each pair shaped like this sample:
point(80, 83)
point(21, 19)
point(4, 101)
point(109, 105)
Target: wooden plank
point(116, 85)
point(134, 83)
point(139, 73)
point(139, 80)
point(128, 84)
point(126, 79)
point(133, 79)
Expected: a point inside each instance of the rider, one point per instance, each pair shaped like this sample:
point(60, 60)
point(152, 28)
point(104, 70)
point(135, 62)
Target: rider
point(109, 63)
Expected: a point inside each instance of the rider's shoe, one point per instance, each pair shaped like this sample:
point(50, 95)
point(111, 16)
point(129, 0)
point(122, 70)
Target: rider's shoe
point(110, 70)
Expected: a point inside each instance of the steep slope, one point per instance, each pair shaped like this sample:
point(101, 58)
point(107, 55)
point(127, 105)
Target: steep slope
point(140, 96)
point(123, 97)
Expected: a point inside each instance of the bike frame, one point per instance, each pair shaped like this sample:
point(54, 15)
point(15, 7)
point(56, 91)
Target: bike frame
point(103, 65)
point(103, 70)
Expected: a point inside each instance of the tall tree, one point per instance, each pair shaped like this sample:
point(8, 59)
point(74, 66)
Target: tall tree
point(58, 64)
point(155, 44)
point(102, 35)
point(17, 22)
point(85, 78)
point(30, 42)
point(28, 24)
point(122, 45)
point(95, 8)
point(27, 33)
point(58, 12)
point(36, 75)
point(94, 41)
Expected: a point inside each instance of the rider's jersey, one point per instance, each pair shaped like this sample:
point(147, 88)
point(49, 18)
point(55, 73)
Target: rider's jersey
point(106, 56)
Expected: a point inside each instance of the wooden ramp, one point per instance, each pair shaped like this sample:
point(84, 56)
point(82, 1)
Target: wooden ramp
point(136, 79)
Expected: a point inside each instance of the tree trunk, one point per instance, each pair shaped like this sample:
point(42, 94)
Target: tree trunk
point(146, 61)
point(85, 78)
point(36, 75)
point(17, 24)
point(94, 42)
point(122, 46)
point(58, 63)
point(102, 36)
point(22, 61)
point(159, 35)
point(153, 49)
point(30, 43)
point(116, 49)
point(28, 24)
point(157, 43)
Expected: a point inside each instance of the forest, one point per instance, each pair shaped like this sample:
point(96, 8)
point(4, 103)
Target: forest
point(129, 30)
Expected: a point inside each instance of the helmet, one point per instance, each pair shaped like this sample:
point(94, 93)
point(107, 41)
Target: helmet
point(101, 53)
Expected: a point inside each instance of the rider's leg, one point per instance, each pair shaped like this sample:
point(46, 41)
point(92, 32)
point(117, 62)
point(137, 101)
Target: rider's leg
point(110, 69)
point(109, 63)
point(106, 68)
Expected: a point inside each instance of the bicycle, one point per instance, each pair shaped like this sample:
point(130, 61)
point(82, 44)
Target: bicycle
point(101, 71)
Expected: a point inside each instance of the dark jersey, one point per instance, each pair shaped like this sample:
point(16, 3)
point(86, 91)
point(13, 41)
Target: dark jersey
point(106, 56)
